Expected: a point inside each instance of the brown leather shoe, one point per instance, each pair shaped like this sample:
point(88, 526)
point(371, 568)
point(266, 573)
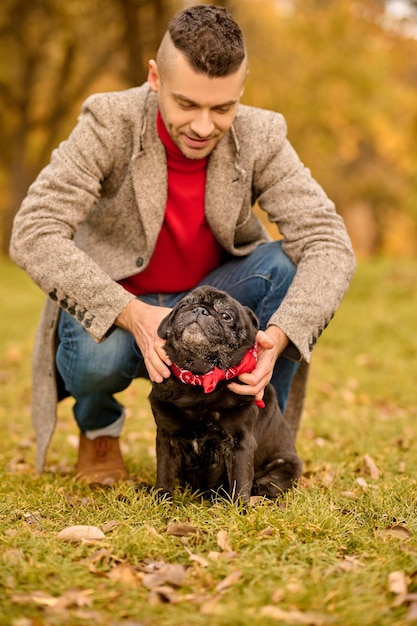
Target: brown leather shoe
point(100, 461)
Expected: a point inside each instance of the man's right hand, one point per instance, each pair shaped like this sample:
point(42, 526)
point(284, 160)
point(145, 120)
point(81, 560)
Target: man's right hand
point(142, 320)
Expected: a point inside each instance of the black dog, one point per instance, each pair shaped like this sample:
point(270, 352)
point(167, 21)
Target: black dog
point(207, 436)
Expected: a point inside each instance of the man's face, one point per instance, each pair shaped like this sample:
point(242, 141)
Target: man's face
point(197, 110)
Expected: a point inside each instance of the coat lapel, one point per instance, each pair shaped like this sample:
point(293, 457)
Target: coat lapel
point(225, 191)
point(225, 186)
point(149, 173)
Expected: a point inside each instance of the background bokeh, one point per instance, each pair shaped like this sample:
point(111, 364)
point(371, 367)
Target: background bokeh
point(343, 72)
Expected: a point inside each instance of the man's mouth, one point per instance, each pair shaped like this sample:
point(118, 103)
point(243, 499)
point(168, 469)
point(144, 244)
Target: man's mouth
point(195, 142)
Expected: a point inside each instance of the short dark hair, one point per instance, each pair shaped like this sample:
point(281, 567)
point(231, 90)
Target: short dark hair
point(209, 38)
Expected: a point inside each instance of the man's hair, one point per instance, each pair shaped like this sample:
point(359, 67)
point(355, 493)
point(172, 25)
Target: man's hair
point(209, 38)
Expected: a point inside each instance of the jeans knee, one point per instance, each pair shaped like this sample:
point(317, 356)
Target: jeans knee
point(87, 367)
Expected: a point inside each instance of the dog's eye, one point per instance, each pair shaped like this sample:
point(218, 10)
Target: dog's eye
point(227, 317)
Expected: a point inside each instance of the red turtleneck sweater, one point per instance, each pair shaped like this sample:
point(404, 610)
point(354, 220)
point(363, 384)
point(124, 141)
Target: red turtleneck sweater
point(186, 249)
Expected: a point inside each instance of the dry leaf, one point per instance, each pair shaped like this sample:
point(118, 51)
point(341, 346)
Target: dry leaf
point(371, 467)
point(362, 482)
point(74, 598)
point(110, 525)
point(210, 606)
point(292, 617)
point(81, 533)
point(198, 559)
point(163, 594)
point(229, 581)
point(397, 583)
point(182, 530)
point(278, 596)
point(349, 564)
point(412, 612)
point(222, 541)
point(126, 575)
point(349, 494)
point(397, 532)
point(167, 574)
point(71, 598)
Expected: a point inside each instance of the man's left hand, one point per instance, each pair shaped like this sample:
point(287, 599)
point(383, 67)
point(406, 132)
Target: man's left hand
point(271, 343)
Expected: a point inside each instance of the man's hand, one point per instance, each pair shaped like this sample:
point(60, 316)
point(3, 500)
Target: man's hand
point(142, 320)
point(271, 343)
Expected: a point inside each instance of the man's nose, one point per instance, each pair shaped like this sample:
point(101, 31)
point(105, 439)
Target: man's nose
point(202, 124)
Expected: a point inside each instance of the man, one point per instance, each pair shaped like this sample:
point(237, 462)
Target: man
point(151, 195)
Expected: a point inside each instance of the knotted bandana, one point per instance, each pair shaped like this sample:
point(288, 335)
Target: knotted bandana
point(210, 380)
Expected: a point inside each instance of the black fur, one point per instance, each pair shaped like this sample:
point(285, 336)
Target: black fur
point(217, 440)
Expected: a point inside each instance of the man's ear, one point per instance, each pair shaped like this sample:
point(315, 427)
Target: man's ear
point(153, 76)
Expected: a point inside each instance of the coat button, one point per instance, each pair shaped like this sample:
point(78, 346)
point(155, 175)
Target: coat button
point(139, 262)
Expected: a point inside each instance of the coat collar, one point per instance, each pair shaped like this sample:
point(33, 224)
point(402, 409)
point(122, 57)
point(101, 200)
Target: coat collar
point(225, 186)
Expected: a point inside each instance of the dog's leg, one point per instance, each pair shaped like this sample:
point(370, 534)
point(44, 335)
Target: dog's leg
point(277, 476)
point(240, 469)
point(166, 465)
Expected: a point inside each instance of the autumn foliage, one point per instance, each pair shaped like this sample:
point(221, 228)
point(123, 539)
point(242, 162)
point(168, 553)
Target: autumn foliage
point(341, 71)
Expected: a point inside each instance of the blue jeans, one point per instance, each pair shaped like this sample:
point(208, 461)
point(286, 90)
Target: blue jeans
point(93, 372)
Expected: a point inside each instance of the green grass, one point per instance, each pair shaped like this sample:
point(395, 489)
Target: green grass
point(322, 555)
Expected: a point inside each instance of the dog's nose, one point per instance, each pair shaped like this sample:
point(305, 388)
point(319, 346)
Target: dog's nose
point(200, 310)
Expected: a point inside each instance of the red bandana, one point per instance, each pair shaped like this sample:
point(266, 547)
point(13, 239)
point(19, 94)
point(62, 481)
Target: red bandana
point(209, 381)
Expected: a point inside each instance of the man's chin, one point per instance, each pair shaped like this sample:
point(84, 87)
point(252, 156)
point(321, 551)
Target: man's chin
point(196, 153)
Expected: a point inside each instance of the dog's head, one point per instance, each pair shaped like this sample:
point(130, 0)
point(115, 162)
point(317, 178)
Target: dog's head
point(207, 329)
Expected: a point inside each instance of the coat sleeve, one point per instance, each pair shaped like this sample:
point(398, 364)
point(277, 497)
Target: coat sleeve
point(314, 237)
point(57, 203)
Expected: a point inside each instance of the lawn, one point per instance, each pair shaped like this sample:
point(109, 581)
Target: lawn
point(341, 548)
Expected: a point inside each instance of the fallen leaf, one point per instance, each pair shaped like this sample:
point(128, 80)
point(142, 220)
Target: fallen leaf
point(412, 612)
point(222, 541)
point(196, 558)
point(71, 598)
point(397, 532)
point(210, 606)
point(14, 556)
point(350, 494)
point(292, 617)
point(33, 519)
point(229, 581)
point(371, 467)
point(278, 596)
point(40, 598)
point(74, 598)
point(182, 530)
point(362, 482)
point(81, 533)
point(349, 564)
point(126, 575)
point(173, 574)
point(397, 583)
point(163, 594)
point(110, 525)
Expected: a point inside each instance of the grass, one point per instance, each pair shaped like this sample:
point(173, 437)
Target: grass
point(324, 554)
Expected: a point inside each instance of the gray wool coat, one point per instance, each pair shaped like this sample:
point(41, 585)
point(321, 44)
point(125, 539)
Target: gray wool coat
point(93, 216)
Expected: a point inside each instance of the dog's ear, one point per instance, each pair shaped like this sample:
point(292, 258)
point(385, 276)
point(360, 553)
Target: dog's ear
point(252, 317)
point(164, 326)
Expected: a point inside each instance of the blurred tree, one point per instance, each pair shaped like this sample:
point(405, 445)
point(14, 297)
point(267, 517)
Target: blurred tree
point(347, 87)
point(345, 82)
point(52, 54)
